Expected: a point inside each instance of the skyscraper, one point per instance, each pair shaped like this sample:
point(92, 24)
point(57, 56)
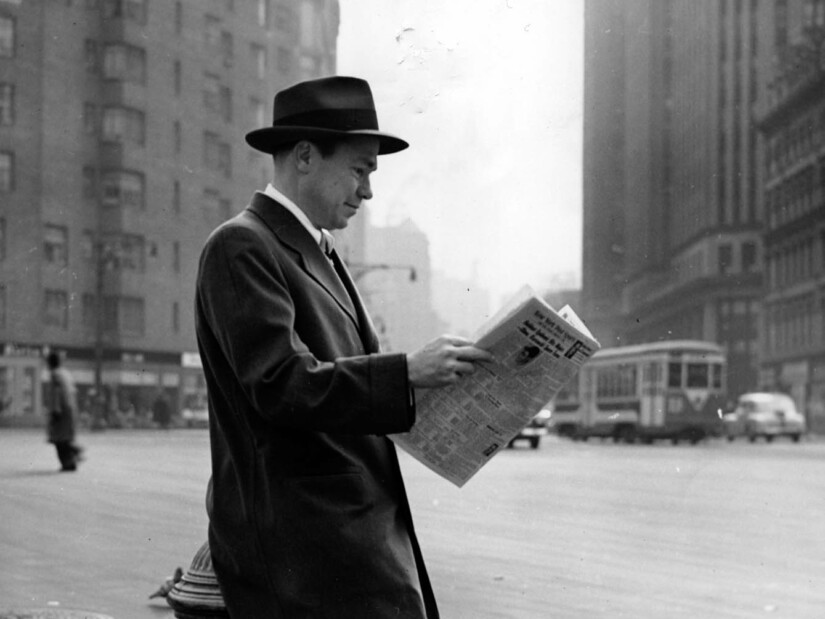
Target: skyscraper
point(672, 200)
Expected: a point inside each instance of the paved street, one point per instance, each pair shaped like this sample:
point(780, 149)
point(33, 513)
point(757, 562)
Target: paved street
point(569, 531)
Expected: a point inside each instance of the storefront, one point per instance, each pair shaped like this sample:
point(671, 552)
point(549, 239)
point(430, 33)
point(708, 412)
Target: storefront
point(132, 382)
point(20, 375)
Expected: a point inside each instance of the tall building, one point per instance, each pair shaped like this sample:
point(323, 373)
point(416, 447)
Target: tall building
point(395, 281)
point(121, 148)
point(793, 126)
point(672, 200)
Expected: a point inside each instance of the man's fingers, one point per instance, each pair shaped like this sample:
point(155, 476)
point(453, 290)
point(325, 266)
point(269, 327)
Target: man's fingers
point(471, 353)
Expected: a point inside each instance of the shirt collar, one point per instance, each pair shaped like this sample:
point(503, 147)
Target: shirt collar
point(293, 208)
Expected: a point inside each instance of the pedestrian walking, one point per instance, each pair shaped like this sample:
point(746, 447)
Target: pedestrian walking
point(308, 515)
point(62, 405)
point(162, 411)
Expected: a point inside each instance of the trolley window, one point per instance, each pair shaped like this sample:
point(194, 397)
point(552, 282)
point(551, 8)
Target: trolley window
point(616, 382)
point(674, 374)
point(716, 375)
point(697, 375)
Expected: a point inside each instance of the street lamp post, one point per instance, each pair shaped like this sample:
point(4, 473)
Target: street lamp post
point(359, 269)
point(104, 257)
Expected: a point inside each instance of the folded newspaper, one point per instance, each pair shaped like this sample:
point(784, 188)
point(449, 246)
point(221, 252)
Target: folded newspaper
point(536, 352)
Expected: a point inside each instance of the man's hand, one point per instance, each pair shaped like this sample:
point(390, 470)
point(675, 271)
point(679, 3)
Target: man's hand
point(444, 361)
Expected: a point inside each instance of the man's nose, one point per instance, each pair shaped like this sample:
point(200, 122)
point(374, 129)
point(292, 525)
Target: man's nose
point(365, 189)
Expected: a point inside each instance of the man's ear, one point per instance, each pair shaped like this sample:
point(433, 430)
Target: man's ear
point(303, 156)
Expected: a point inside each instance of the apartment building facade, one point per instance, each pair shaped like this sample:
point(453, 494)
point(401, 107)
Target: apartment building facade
point(121, 148)
point(793, 128)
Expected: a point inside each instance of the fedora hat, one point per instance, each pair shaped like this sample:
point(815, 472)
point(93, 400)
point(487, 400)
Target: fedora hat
point(330, 107)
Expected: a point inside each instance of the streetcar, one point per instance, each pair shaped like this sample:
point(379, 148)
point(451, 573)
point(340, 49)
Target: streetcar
point(662, 390)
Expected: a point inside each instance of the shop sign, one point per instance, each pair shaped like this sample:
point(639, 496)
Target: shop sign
point(11, 349)
point(191, 360)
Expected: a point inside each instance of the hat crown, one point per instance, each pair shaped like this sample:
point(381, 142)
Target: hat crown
point(342, 103)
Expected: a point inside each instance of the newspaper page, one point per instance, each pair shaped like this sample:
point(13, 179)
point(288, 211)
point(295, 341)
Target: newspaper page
point(536, 351)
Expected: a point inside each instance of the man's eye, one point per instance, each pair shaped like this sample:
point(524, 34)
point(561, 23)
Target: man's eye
point(359, 172)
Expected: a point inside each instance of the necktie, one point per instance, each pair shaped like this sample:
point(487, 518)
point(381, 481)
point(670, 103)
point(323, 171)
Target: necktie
point(327, 243)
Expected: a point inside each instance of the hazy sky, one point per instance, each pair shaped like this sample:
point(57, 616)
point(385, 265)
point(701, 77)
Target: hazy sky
point(489, 94)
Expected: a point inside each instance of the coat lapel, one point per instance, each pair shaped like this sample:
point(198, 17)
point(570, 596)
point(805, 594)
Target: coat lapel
point(308, 254)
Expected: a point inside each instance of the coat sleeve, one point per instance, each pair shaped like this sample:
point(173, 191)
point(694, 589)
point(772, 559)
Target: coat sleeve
point(245, 320)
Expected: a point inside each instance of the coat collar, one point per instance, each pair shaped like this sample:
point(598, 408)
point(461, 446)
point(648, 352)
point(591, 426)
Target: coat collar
point(292, 233)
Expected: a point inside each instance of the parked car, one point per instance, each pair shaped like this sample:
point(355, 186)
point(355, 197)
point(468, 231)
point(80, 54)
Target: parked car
point(195, 413)
point(534, 430)
point(764, 414)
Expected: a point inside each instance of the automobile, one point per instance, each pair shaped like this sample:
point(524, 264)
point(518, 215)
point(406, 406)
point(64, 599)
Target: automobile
point(534, 430)
point(195, 417)
point(764, 414)
point(195, 413)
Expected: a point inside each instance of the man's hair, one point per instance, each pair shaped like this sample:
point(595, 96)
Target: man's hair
point(326, 147)
point(53, 360)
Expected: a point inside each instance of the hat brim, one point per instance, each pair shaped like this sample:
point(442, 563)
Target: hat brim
point(268, 139)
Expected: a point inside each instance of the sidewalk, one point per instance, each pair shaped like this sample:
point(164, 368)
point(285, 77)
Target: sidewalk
point(102, 539)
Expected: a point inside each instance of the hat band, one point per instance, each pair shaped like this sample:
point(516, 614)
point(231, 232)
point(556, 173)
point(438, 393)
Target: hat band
point(337, 120)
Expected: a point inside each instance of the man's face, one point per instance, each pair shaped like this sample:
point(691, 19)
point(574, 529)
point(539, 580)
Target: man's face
point(337, 185)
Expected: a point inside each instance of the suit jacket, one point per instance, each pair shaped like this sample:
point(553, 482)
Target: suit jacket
point(308, 512)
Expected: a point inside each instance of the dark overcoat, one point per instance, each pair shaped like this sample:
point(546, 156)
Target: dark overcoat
point(308, 514)
point(61, 402)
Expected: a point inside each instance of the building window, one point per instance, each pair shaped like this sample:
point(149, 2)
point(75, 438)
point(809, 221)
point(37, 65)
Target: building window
point(92, 60)
point(124, 315)
point(176, 195)
point(56, 308)
point(123, 124)
point(725, 258)
point(2, 307)
point(257, 109)
point(2, 238)
point(263, 13)
point(227, 49)
point(124, 189)
point(217, 98)
point(258, 53)
point(217, 155)
point(178, 17)
point(132, 253)
point(89, 119)
point(6, 104)
point(175, 317)
point(56, 245)
point(178, 78)
point(748, 256)
point(7, 36)
point(132, 10)
point(89, 183)
point(212, 33)
point(87, 245)
point(177, 136)
point(6, 172)
point(124, 62)
point(176, 257)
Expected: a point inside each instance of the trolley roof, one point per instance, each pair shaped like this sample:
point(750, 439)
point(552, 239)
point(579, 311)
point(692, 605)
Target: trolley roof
point(669, 346)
